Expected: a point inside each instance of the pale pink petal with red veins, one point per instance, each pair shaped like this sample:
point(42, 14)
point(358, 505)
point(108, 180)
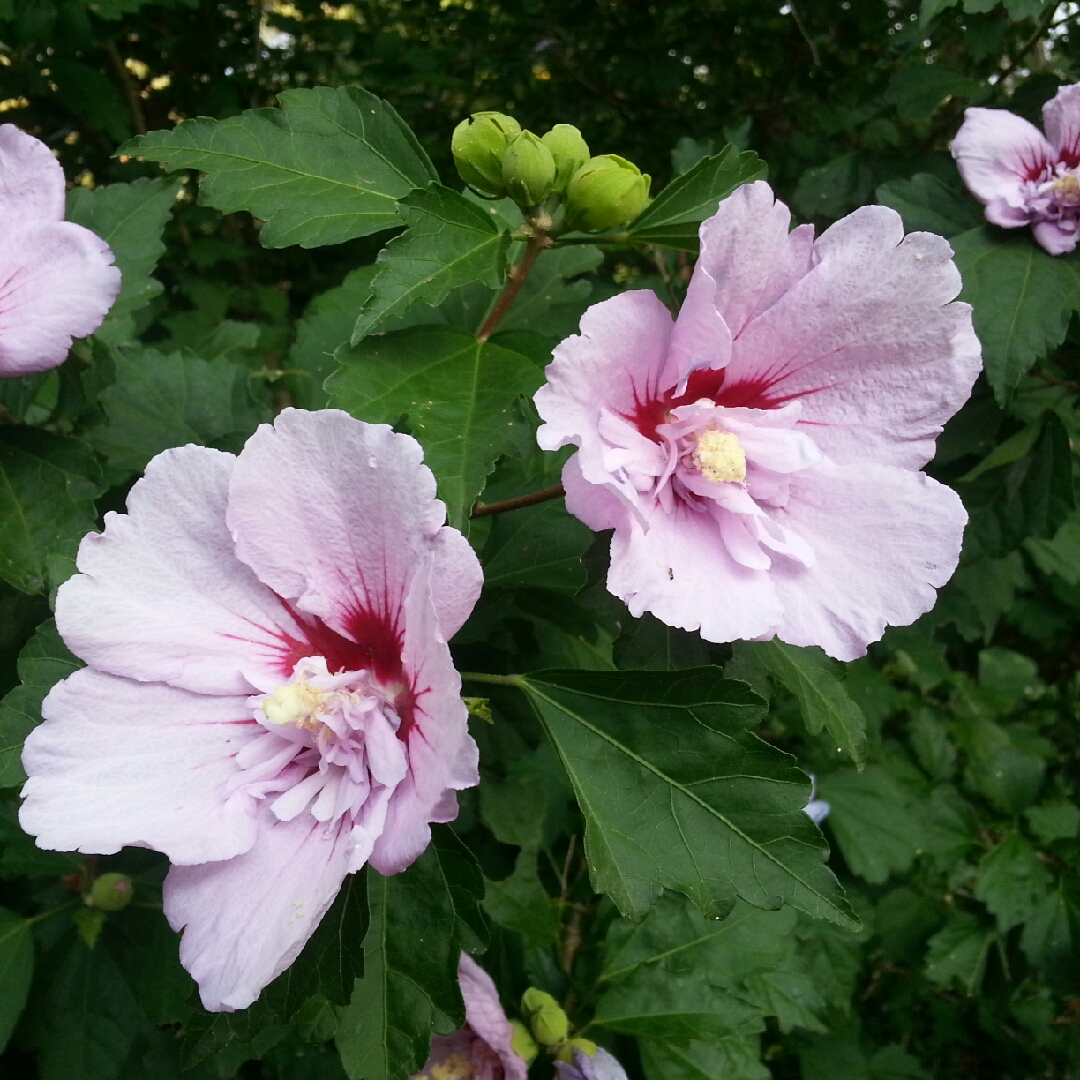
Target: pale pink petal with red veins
point(700, 338)
point(1061, 119)
point(884, 539)
point(123, 763)
point(245, 920)
point(56, 283)
point(997, 151)
point(31, 180)
point(442, 755)
point(1053, 238)
point(334, 515)
point(484, 1014)
point(456, 580)
point(747, 249)
point(868, 341)
point(161, 596)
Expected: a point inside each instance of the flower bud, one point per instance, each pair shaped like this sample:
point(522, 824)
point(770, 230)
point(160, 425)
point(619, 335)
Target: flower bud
point(566, 1051)
point(528, 170)
point(569, 150)
point(547, 1020)
point(606, 191)
point(478, 145)
point(110, 892)
point(523, 1044)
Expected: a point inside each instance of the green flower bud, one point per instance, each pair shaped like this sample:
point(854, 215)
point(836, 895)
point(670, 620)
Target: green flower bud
point(566, 1051)
point(547, 1020)
point(523, 1044)
point(528, 170)
point(110, 892)
point(478, 145)
point(569, 150)
point(606, 191)
point(533, 1000)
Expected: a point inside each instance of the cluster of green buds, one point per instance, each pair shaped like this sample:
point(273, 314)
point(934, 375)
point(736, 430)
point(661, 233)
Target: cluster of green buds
point(496, 158)
point(548, 1027)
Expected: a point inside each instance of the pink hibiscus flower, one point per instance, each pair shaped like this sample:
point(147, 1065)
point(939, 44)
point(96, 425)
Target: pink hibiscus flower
point(759, 457)
point(596, 1066)
point(482, 1049)
point(270, 699)
point(56, 281)
point(1021, 176)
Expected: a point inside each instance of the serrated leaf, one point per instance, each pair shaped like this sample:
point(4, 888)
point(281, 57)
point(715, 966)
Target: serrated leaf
point(449, 242)
point(43, 662)
point(1050, 823)
point(927, 205)
point(677, 793)
point(823, 701)
point(419, 922)
point(918, 89)
point(737, 1057)
point(1022, 299)
point(673, 217)
point(326, 166)
point(536, 547)
point(958, 952)
point(458, 397)
point(551, 300)
point(161, 401)
point(521, 903)
point(48, 484)
point(130, 218)
point(1011, 882)
point(1051, 937)
point(647, 644)
point(16, 970)
point(1061, 554)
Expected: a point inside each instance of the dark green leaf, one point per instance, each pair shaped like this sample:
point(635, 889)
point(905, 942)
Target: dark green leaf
point(48, 484)
point(927, 205)
point(650, 645)
point(16, 970)
point(678, 794)
point(550, 301)
point(536, 547)
point(918, 89)
point(1061, 554)
point(325, 167)
point(958, 952)
point(1022, 300)
point(458, 397)
point(1011, 882)
point(521, 903)
point(1050, 823)
point(737, 1057)
point(831, 190)
point(1051, 937)
point(43, 662)
point(673, 217)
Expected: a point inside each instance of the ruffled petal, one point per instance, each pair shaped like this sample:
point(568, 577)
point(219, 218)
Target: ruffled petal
point(56, 283)
point(485, 1015)
point(31, 180)
point(997, 151)
point(245, 920)
point(1055, 239)
point(885, 539)
point(868, 341)
point(1061, 119)
point(335, 516)
point(161, 596)
point(145, 765)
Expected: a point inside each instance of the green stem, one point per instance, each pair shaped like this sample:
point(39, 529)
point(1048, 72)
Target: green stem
point(494, 680)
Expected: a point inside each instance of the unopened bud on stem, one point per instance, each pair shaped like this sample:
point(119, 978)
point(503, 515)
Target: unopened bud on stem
point(523, 1044)
point(110, 892)
point(528, 170)
point(479, 145)
point(569, 150)
point(548, 1022)
point(606, 191)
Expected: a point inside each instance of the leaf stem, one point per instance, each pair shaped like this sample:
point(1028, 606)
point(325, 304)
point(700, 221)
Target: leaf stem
point(494, 680)
point(534, 497)
point(515, 278)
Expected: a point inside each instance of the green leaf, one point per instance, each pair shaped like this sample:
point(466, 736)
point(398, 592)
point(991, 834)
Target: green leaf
point(449, 242)
point(1050, 823)
point(536, 547)
point(161, 401)
point(130, 218)
point(918, 89)
point(554, 296)
point(521, 903)
point(1051, 937)
point(958, 952)
point(647, 644)
point(1011, 882)
point(16, 970)
point(43, 662)
point(1021, 297)
point(824, 703)
point(673, 217)
point(927, 205)
point(832, 189)
point(419, 922)
point(737, 1057)
point(1061, 554)
point(677, 793)
point(456, 395)
point(48, 484)
point(327, 166)
point(931, 8)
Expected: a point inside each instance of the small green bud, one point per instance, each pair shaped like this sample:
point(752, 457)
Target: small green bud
point(569, 150)
point(523, 1044)
point(110, 892)
point(528, 170)
point(566, 1051)
point(478, 145)
point(547, 1020)
point(606, 191)
point(533, 1000)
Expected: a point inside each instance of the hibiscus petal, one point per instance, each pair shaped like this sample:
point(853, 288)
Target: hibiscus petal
point(868, 341)
point(162, 596)
point(1061, 118)
point(336, 515)
point(700, 338)
point(246, 919)
point(56, 283)
point(485, 1015)
point(118, 763)
point(31, 179)
point(1055, 239)
point(884, 539)
point(996, 151)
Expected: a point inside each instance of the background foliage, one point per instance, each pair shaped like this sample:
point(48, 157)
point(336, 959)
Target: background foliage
point(949, 756)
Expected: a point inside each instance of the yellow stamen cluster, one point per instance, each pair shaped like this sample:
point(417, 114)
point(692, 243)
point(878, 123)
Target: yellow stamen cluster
point(720, 457)
point(1067, 184)
point(297, 703)
point(455, 1067)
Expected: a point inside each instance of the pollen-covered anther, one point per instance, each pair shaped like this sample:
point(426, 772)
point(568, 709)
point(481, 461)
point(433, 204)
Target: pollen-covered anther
point(1068, 184)
point(720, 457)
point(297, 703)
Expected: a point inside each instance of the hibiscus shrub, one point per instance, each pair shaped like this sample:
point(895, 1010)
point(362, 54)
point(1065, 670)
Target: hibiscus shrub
point(482, 603)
